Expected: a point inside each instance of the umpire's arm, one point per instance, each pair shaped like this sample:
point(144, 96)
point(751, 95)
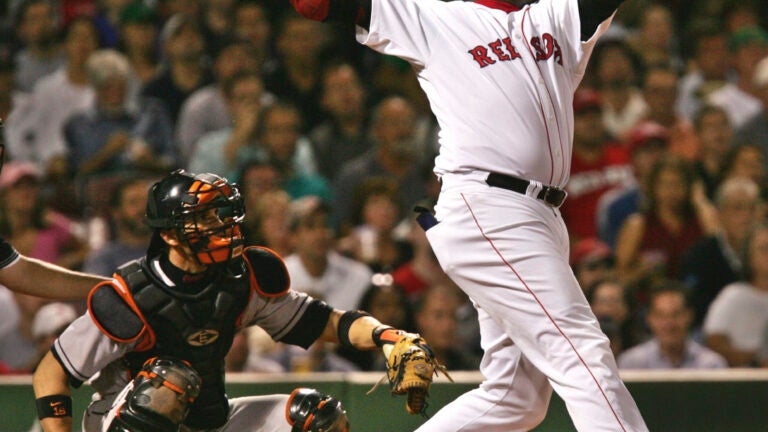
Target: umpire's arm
point(34, 277)
point(50, 379)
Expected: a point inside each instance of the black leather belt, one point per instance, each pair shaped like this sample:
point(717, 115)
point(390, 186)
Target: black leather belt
point(550, 195)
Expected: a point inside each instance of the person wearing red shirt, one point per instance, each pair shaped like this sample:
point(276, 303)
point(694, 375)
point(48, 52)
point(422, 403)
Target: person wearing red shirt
point(597, 166)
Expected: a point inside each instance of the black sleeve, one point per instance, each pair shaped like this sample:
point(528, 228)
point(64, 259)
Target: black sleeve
point(345, 11)
point(310, 325)
point(594, 12)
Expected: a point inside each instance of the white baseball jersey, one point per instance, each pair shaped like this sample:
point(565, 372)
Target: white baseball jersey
point(501, 85)
point(500, 81)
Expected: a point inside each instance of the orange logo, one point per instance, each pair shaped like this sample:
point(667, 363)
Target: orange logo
point(58, 410)
point(203, 337)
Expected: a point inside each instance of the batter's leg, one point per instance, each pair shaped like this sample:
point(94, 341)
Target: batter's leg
point(257, 414)
point(514, 395)
point(508, 252)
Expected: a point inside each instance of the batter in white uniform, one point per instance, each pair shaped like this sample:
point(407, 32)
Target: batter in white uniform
point(500, 77)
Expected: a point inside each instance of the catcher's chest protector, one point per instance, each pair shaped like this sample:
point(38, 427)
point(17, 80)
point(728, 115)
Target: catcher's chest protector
point(198, 328)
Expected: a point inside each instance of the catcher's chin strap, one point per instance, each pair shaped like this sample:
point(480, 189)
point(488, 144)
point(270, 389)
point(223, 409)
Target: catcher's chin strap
point(387, 338)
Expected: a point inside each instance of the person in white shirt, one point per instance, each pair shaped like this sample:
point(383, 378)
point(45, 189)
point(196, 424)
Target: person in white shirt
point(737, 319)
point(669, 318)
point(314, 267)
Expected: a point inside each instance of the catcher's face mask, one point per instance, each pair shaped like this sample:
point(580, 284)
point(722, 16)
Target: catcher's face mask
point(204, 211)
point(211, 226)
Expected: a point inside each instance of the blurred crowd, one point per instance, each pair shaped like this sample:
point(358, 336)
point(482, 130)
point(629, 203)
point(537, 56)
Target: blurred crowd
point(332, 146)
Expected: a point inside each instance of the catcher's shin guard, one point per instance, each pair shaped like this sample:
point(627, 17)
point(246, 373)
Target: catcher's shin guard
point(308, 410)
point(160, 398)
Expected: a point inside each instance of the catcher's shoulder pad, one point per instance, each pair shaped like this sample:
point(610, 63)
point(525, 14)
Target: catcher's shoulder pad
point(115, 313)
point(267, 271)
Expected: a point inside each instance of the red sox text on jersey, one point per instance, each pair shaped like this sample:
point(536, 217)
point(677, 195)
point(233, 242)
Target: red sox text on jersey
point(544, 47)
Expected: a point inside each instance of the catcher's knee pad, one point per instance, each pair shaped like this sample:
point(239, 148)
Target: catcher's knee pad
point(308, 410)
point(160, 398)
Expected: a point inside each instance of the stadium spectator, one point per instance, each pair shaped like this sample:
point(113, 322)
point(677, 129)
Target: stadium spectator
point(597, 166)
point(393, 155)
point(616, 70)
point(591, 261)
point(222, 150)
point(287, 149)
point(252, 25)
point(716, 138)
point(116, 134)
point(208, 109)
point(184, 69)
point(382, 299)
point(341, 137)
point(296, 76)
point(129, 233)
point(755, 130)
point(748, 46)
point(711, 60)
point(669, 318)
point(436, 315)
point(49, 321)
point(107, 18)
point(30, 225)
point(314, 267)
point(715, 261)
point(18, 348)
point(655, 41)
point(736, 321)
point(609, 302)
point(138, 40)
point(678, 213)
point(746, 161)
point(660, 89)
point(647, 146)
point(217, 19)
point(55, 98)
point(265, 222)
point(41, 54)
point(375, 238)
point(421, 271)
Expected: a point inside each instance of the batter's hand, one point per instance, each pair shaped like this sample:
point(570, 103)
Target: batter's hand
point(411, 365)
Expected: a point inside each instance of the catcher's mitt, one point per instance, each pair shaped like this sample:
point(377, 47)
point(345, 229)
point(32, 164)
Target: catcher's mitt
point(411, 365)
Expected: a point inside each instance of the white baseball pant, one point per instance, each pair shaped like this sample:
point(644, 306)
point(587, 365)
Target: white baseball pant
point(509, 253)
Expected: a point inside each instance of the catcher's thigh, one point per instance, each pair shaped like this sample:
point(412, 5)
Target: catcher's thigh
point(257, 414)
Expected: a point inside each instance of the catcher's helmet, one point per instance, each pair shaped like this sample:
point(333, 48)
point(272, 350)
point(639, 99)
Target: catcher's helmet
point(204, 210)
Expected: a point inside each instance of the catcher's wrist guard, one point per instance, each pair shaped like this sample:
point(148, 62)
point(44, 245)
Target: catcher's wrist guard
point(54, 406)
point(308, 410)
point(386, 335)
point(411, 364)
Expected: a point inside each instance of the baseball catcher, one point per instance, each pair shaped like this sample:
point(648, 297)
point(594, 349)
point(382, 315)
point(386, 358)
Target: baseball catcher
point(155, 336)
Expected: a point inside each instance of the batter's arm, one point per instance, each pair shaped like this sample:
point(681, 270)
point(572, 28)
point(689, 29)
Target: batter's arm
point(593, 13)
point(357, 11)
point(50, 379)
point(38, 278)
